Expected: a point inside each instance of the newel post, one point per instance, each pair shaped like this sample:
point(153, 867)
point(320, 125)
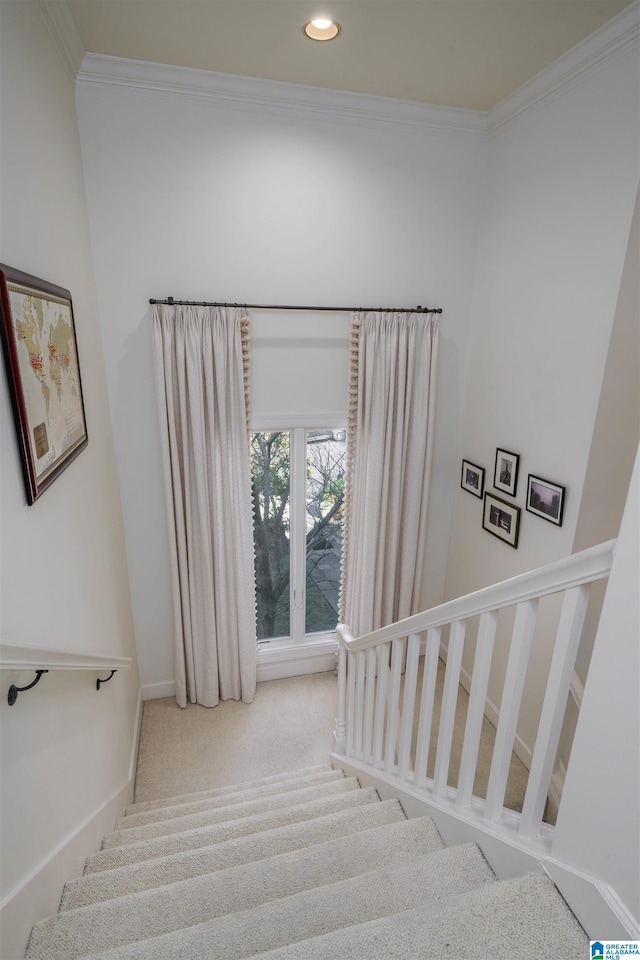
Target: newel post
point(340, 732)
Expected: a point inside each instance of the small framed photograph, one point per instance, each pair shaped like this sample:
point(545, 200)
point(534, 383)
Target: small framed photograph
point(472, 478)
point(545, 499)
point(41, 358)
point(501, 519)
point(506, 472)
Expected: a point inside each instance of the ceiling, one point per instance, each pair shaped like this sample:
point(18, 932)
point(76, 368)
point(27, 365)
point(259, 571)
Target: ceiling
point(458, 53)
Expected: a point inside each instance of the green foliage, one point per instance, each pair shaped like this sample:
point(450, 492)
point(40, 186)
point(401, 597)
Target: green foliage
point(271, 483)
point(270, 463)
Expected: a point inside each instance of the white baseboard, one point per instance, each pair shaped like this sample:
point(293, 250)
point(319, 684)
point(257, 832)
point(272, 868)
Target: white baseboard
point(507, 855)
point(157, 691)
point(596, 905)
point(39, 894)
point(521, 749)
point(278, 661)
point(135, 743)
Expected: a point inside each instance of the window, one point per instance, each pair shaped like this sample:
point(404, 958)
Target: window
point(298, 504)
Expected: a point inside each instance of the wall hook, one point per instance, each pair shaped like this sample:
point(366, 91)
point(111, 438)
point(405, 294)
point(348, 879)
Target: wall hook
point(98, 682)
point(14, 691)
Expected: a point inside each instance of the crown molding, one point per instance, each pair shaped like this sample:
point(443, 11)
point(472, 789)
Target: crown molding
point(186, 85)
point(64, 32)
point(614, 38)
point(116, 75)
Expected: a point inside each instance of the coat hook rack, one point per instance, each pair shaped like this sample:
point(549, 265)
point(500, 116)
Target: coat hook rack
point(14, 691)
point(98, 682)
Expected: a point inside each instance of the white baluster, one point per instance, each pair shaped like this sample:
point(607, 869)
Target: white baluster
point(510, 707)
point(381, 701)
point(429, 677)
point(476, 708)
point(397, 655)
point(574, 607)
point(351, 702)
point(341, 720)
point(408, 706)
point(360, 664)
point(369, 705)
point(448, 711)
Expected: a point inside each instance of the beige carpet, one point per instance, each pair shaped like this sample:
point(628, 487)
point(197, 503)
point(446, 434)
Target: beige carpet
point(311, 887)
point(288, 726)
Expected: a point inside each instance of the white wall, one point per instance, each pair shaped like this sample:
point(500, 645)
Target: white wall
point(202, 198)
point(601, 792)
point(66, 749)
point(563, 176)
point(617, 425)
point(616, 434)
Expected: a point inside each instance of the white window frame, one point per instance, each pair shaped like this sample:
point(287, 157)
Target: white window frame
point(298, 654)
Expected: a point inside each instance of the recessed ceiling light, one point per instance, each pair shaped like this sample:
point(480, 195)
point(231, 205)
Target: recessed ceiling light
point(321, 29)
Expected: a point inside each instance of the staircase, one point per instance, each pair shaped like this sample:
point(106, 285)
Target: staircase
point(305, 865)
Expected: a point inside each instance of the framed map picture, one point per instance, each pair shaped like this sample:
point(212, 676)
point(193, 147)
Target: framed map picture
point(41, 358)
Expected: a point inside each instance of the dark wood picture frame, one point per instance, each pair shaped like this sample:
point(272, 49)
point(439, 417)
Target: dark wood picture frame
point(545, 499)
point(501, 519)
point(505, 474)
point(41, 359)
point(472, 478)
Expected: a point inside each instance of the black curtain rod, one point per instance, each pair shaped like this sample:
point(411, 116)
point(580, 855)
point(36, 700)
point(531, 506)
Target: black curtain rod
point(279, 306)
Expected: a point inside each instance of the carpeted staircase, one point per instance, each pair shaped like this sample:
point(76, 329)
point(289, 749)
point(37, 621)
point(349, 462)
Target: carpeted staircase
point(304, 866)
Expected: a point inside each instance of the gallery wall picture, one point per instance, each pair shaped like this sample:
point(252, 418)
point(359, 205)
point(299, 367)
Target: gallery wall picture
point(545, 499)
point(502, 519)
point(505, 476)
point(41, 359)
point(472, 479)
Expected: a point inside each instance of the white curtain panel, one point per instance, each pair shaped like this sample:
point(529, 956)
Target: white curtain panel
point(202, 376)
point(389, 450)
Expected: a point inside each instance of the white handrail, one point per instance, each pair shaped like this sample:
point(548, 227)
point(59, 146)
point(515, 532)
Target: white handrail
point(584, 567)
point(388, 731)
point(22, 656)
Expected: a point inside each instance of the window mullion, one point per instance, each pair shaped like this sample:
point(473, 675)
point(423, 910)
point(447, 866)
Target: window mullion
point(298, 531)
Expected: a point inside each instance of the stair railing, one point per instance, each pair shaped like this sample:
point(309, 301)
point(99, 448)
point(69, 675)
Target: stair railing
point(23, 657)
point(375, 729)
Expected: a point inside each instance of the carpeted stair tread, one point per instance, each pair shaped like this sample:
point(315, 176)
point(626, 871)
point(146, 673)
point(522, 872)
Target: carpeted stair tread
point(340, 829)
point(422, 881)
point(185, 807)
point(319, 873)
point(140, 805)
point(219, 832)
point(232, 811)
point(520, 919)
point(296, 867)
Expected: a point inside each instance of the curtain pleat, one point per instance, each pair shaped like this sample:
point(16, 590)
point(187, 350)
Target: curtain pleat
point(202, 378)
point(389, 450)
